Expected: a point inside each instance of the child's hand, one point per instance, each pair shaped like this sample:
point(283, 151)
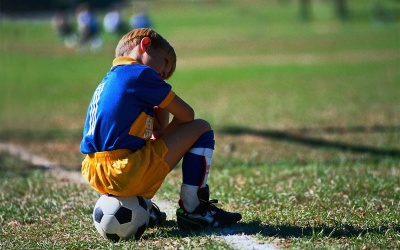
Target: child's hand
point(157, 131)
point(156, 134)
point(161, 119)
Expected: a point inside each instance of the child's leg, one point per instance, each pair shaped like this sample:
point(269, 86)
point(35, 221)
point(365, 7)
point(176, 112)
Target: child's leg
point(197, 161)
point(180, 140)
point(195, 169)
point(194, 142)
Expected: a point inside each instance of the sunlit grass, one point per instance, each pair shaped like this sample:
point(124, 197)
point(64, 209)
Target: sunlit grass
point(305, 116)
point(310, 204)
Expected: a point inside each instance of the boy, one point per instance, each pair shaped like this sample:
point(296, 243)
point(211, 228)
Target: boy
point(130, 143)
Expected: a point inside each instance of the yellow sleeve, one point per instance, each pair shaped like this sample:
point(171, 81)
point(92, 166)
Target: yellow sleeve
point(167, 99)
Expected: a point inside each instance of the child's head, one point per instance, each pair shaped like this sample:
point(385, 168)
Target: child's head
point(129, 41)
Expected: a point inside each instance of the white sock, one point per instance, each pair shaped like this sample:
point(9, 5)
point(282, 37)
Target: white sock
point(189, 197)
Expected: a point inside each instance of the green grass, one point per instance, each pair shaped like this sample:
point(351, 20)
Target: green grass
point(297, 206)
point(306, 117)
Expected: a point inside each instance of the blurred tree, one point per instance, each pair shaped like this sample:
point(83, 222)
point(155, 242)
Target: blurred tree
point(341, 8)
point(305, 10)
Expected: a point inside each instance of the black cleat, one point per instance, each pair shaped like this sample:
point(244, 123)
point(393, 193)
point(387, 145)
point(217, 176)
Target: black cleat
point(206, 214)
point(156, 216)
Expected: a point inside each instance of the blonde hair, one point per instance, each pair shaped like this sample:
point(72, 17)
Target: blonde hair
point(130, 40)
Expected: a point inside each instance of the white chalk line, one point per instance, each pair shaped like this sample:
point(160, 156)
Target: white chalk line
point(36, 160)
point(230, 236)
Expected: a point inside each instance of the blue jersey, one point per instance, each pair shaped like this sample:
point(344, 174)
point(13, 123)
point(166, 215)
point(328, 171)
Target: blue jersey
point(121, 112)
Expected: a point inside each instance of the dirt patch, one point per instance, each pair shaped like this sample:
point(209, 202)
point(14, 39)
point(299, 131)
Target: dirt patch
point(246, 242)
point(34, 159)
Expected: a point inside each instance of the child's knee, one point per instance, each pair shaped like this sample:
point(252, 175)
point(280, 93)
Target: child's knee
point(202, 125)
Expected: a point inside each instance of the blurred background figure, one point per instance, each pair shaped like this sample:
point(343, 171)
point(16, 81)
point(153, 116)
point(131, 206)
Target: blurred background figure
point(141, 18)
point(65, 30)
point(88, 28)
point(113, 22)
point(380, 13)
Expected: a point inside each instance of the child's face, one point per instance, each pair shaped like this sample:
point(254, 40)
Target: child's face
point(159, 60)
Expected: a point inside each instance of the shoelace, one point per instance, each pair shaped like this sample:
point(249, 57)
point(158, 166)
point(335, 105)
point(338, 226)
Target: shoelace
point(155, 216)
point(156, 210)
point(209, 205)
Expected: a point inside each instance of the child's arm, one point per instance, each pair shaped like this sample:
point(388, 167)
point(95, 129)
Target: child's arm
point(162, 117)
point(181, 111)
point(161, 120)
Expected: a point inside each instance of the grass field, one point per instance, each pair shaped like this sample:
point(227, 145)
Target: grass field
point(307, 121)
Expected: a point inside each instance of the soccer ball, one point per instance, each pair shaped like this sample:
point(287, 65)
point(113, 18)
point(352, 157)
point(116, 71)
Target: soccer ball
point(118, 218)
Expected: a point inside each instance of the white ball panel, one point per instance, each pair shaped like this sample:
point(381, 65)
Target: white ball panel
point(109, 204)
point(109, 224)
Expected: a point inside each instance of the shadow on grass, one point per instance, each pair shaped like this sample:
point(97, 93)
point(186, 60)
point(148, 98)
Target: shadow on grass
point(11, 166)
point(294, 137)
point(281, 231)
point(288, 231)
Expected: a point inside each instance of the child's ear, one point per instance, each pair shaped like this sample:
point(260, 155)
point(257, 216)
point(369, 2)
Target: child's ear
point(145, 43)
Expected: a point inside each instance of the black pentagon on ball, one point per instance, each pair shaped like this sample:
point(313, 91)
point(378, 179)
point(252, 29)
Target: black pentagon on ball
point(123, 215)
point(140, 231)
point(142, 202)
point(98, 214)
point(113, 237)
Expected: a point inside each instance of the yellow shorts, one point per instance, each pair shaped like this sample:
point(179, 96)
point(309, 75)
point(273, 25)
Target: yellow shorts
point(123, 172)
